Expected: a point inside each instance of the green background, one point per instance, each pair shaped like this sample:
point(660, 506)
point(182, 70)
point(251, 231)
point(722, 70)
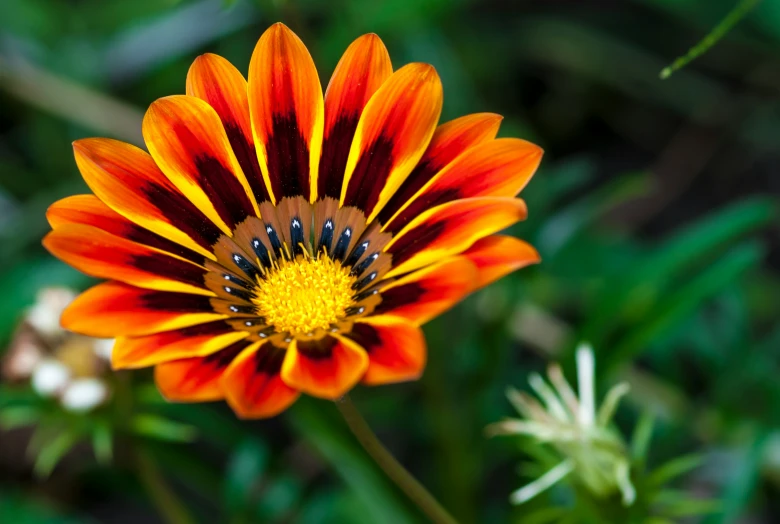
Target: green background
point(654, 212)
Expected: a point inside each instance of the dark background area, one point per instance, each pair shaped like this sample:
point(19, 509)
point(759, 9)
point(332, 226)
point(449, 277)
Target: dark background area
point(654, 212)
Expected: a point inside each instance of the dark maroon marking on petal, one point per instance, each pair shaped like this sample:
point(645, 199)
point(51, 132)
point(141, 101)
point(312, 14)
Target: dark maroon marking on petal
point(224, 357)
point(176, 302)
point(399, 296)
point(366, 336)
point(217, 327)
point(220, 185)
point(420, 176)
point(415, 241)
point(246, 154)
point(317, 349)
point(169, 267)
point(182, 214)
point(335, 152)
point(288, 158)
point(268, 359)
point(143, 236)
point(370, 175)
point(223, 189)
point(424, 203)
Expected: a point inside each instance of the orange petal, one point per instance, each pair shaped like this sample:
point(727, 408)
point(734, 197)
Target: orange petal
point(286, 106)
point(129, 182)
point(450, 229)
point(186, 138)
point(88, 210)
point(427, 293)
point(395, 347)
point(252, 385)
point(193, 341)
point(392, 135)
point(498, 168)
point(449, 141)
point(218, 82)
point(103, 255)
point(498, 255)
point(363, 68)
point(196, 379)
point(112, 309)
point(326, 368)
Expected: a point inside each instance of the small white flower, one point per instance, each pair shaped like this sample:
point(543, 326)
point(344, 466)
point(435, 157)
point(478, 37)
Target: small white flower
point(24, 354)
point(103, 348)
point(84, 394)
point(44, 315)
point(50, 377)
point(589, 447)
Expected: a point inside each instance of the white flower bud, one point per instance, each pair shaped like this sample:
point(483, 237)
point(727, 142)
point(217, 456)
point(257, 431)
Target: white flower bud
point(84, 394)
point(50, 377)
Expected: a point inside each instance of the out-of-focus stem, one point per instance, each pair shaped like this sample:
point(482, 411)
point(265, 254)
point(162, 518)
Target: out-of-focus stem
point(397, 473)
point(70, 101)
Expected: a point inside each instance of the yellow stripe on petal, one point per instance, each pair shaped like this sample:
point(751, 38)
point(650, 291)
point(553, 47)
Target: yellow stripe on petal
point(392, 135)
point(287, 112)
point(450, 229)
point(127, 180)
point(186, 138)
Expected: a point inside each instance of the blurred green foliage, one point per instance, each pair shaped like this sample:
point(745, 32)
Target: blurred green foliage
point(655, 212)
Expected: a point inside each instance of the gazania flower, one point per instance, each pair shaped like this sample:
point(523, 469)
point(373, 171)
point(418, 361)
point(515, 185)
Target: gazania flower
point(274, 241)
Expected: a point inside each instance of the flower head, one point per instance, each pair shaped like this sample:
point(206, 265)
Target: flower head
point(276, 241)
point(591, 450)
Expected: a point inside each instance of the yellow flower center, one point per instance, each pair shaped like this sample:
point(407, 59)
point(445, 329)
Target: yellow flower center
point(305, 294)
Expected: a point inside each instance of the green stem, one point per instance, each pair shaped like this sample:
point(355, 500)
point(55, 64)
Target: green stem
point(736, 14)
point(392, 468)
point(169, 506)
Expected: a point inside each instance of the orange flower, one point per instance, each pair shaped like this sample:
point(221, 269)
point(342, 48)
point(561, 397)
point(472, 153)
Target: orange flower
point(275, 241)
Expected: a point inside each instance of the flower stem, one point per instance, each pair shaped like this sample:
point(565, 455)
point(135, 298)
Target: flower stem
point(170, 508)
point(392, 468)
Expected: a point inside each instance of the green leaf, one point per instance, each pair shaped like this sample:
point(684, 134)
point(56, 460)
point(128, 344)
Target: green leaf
point(561, 227)
point(674, 503)
point(644, 282)
point(160, 428)
point(52, 452)
point(102, 442)
point(18, 416)
point(547, 515)
point(16, 509)
point(742, 481)
point(674, 468)
point(640, 440)
point(280, 498)
point(245, 471)
point(681, 303)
